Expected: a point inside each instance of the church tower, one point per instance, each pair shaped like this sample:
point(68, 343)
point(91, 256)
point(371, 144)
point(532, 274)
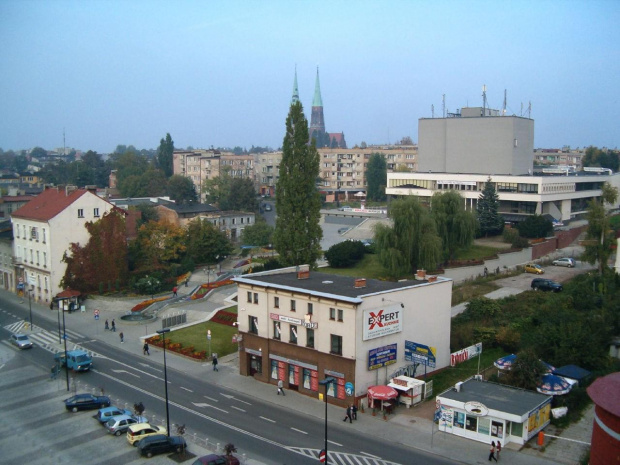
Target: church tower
point(295, 97)
point(317, 123)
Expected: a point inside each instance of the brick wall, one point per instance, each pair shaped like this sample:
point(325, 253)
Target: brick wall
point(562, 239)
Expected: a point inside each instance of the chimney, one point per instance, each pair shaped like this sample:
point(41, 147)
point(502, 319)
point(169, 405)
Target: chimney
point(361, 282)
point(304, 274)
point(432, 279)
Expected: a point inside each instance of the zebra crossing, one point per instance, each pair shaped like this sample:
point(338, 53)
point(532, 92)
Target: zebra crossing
point(342, 458)
point(48, 340)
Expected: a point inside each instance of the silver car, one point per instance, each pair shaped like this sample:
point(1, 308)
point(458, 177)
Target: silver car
point(120, 424)
point(21, 341)
point(569, 262)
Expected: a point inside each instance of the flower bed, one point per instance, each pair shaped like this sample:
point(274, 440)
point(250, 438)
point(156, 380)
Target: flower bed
point(184, 277)
point(224, 318)
point(142, 305)
point(189, 351)
point(204, 289)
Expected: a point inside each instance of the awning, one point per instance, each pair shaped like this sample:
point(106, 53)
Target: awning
point(381, 393)
point(398, 386)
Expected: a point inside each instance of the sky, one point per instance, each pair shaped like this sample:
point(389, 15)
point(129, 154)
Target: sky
point(220, 73)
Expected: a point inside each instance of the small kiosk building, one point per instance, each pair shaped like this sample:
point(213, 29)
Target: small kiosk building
point(411, 390)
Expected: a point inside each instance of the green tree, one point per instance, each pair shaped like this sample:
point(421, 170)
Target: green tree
point(599, 238)
point(151, 183)
point(181, 189)
point(217, 190)
point(164, 155)
point(595, 157)
point(157, 246)
point(455, 225)
point(205, 242)
point(260, 234)
point(376, 177)
point(526, 371)
point(298, 234)
point(345, 254)
point(535, 226)
point(491, 222)
point(412, 242)
point(38, 152)
point(242, 196)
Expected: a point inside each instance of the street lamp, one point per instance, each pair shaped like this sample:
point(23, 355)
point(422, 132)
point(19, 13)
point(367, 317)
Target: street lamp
point(64, 336)
point(162, 333)
point(30, 305)
point(326, 382)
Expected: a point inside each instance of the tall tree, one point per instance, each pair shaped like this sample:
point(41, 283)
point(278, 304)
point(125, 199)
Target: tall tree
point(157, 246)
point(259, 234)
point(491, 222)
point(102, 260)
point(412, 242)
point(181, 189)
point(599, 237)
point(602, 158)
point(205, 243)
point(376, 177)
point(242, 195)
point(164, 155)
point(455, 225)
point(297, 237)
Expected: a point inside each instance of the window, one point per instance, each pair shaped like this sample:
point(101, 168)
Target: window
point(293, 334)
point(332, 313)
point(336, 345)
point(31, 255)
point(293, 306)
point(471, 423)
point(276, 330)
point(17, 231)
point(96, 212)
point(44, 259)
point(44, 235)
point(253, 324)
point(274, 369)
point(256, 297)
point(310, 338)
point(276, 302)
point(80, 213)
point(249, 297)
point(37, 258)
point(340, 314)
point(310, 308)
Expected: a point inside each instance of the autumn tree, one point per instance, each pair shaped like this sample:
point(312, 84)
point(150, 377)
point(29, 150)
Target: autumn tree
point(102, 259)
point(376, 177)
point(159, 243)
point(297, 237)
point(455, 225)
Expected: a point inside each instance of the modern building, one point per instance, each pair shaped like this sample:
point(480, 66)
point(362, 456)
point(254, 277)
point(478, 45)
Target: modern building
point(300, 326)
point(43, 230)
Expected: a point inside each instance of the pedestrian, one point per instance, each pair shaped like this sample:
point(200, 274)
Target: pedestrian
point(214, 363)
point(145, 348)
point(113, 327)
point(486, 272)
point(186, 281)
point(499, 448)
point(348, 415)
point(354, 411)
point(122, 337)
point(174, 291)
point(280, 386)
point(492, 452)
point(107, 325)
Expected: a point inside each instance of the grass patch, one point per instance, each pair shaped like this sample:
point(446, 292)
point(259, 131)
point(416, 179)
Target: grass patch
point(196, 335)
point(368, 267)
point(476, 252)
point(469, 290)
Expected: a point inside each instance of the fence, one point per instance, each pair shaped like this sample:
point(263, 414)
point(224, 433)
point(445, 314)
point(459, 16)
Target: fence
point(173, 320)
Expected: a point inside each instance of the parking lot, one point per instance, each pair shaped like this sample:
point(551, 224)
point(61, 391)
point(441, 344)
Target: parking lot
point(560, 274)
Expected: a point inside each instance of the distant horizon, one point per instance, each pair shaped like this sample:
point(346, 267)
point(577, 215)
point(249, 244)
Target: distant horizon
point(109, 72)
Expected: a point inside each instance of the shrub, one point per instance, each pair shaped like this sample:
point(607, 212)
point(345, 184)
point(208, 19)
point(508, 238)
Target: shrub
point(510, 234)
point(345, 254)
point(520, 243)
point(535, 226)
point(508, 339)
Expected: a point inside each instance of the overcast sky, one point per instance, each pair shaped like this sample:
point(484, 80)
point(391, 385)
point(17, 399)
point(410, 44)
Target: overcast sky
point(221, 73)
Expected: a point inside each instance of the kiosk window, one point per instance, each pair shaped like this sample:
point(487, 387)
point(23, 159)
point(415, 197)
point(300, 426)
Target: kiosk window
point(459, 420)
point(516, 429)
point(484, 425)
point(471, 423)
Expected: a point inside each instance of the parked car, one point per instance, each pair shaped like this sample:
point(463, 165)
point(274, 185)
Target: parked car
point(569, 262)
point(104, 414)
point(534, 268)
point(120, 424)
point(21, 341)
point(541, 284)
point(267, 207)
point(161, 444)
point(343, 230)
point(86, 402)
point(214, 459)
point(139, 431)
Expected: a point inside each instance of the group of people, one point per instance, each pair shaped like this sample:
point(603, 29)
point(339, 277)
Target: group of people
point(351, 413)
point(493, 450)
point(111, 328)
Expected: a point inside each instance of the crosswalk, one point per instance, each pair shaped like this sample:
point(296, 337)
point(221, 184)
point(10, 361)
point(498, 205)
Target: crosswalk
point(49, 340)
point(342, 458)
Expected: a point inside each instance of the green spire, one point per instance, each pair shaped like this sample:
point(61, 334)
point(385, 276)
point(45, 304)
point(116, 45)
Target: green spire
point(317, 101)
point(295, 98)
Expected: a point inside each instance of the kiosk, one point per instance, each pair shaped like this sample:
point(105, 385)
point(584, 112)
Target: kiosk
point(411, 390)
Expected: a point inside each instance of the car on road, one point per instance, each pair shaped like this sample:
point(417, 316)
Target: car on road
point(541, 284)
point(343, 230)
point(267, 207)
point(105, 414)
point(214, 459)
point(569, 262)
point(161, 444)
point(86, 402)
point(120, 424)
point(534, 268)
point(139, 431)
point(21, 341)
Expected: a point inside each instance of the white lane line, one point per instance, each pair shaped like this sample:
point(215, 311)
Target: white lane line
point(370, 455)
point(237, 408)
point(298, 430)
point(185, 389)
point(211, 398)
point(125, 371)
point(268, 419)
point(334, 442)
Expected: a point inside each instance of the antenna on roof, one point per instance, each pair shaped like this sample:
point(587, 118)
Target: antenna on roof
point(529, 110)
point(443, 105)
point(504, 109)
point(484, 100)
point(432, 111)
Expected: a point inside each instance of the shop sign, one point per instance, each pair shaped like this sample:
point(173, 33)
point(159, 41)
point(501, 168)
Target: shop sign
point(420, 353)
point(382, 356)
point(465, 354)
point(476, 408)
point(382, 321)
point(306, 323)
point(348, 389)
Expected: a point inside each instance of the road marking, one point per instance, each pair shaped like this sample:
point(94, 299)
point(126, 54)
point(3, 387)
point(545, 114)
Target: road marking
point(370, 455)
point(229, 397)
point(298, 430)
point(211, 398)
point(184, 388)
point(334, 442)
point(125, 371)
point(268, 419)
point(199, 404)
point(237, 408)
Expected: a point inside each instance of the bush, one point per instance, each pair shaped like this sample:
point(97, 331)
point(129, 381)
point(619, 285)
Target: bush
point(510, 234)
point(508, 339)
point(520, 243)
point(345, 254)
point(535, 226)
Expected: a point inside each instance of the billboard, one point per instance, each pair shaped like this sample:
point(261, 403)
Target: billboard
point(382, 356)
point(382, 321)
point(465, 354)
point(419, 353)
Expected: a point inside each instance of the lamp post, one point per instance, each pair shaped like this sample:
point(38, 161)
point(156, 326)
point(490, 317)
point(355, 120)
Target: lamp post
point(162, 333)
point(326, 382)
point(30, 306)
point(64, 336)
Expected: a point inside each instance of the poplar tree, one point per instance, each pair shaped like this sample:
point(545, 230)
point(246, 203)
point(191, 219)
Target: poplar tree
point(164, 155)
point(491, 222)
point(376, 177)
point(298, 234)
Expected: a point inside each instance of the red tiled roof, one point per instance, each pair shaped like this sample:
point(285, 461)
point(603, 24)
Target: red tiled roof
point(48, 204)
point(68, 293)
point(16, 198)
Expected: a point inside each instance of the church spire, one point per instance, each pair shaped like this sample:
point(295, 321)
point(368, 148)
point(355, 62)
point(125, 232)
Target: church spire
point(317, 123)
point(295, 98)
point(317, 101)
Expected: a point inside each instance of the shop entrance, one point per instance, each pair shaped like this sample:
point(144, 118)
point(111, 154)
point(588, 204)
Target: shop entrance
point(255, 363)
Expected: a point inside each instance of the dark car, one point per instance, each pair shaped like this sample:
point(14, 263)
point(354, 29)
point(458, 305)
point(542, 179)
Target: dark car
point(214, 459)
point(541, 284)
point(86, 402)
point(161, 444)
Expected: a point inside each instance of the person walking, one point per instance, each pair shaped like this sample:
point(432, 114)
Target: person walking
point(145, 348)
point(174, 291)
point(499, 449)
point(107, 325)
point(492, 452)
point(186, 281)
point(280, 387)
point(354, 411)
point(113, 327)
point(214, 363)
point(348, 415)
point(122, 337)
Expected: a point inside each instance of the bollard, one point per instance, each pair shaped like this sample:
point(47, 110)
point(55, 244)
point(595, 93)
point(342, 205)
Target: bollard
point(541, 438)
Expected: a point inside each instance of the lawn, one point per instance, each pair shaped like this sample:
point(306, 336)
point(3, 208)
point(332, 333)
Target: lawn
point(368, 267)
point(476, 252)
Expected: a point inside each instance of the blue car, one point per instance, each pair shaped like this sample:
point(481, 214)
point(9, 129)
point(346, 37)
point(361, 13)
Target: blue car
point(86, 402)
point(104, 414)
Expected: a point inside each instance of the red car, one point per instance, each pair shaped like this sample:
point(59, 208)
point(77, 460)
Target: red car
point(213, 459)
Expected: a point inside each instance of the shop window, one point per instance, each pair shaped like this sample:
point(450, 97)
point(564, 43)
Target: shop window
point(276, 330)
point(497, 429)
point(293, 334)
point(332, 313)
point(516, 429)
point(293, 306)
point(340, 314)
point(459, 420)
point(253, 324)
point(276, 302)
point(336, 345)
point(471, 423)
point(307, 378)
point(274, 369)
point(484, 426)
point(310, 338)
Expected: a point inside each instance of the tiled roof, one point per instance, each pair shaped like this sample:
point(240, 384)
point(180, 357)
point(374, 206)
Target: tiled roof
point(48, 204)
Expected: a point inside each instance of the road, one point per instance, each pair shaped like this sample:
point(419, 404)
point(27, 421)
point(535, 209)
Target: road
point(266, 432)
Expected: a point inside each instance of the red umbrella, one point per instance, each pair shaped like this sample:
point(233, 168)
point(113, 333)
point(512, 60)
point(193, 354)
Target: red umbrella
point(382, 392)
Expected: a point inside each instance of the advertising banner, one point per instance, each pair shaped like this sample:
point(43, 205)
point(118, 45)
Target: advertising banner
point(465, 354)
point(382, 321)
point(420, 353)
point(382, 356)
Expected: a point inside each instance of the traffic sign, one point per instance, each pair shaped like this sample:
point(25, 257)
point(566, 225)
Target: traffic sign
point(322, 456)
point(21, 280)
